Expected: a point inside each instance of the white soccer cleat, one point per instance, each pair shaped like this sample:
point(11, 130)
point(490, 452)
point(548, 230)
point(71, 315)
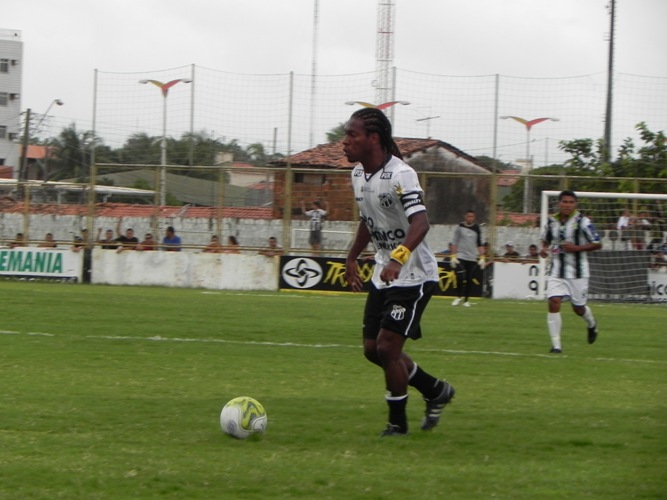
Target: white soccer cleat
point(457, 301)
point(466, 304)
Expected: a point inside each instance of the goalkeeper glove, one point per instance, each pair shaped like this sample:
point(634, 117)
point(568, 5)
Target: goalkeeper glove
point(453, 260)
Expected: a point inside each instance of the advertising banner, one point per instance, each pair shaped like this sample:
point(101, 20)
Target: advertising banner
point(41, 262)
point(328, 274)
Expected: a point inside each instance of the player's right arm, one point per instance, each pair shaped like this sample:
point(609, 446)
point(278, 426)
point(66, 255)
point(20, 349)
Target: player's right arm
point(361, 241)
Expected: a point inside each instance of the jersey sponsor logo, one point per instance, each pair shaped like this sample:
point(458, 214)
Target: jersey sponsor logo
point(385, 175)
point(359, 198)
point(385, 200)
point(387, 240)
point(384, 239)
point(411, 202)
point(398, 312)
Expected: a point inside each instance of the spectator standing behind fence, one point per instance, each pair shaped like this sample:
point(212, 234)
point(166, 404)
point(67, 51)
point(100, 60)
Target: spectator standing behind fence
point(644, 221)
point(510, 252)
point(448, 251)
point(109, 242)
point(659, 260)
point(214, 245)
point(148, 243)
point(623, 225)
point(273, 249)
point(128, 241)
point(48, 242)
point(533, 252)
point(171, 242)
point(316, 214)
point(81, 242)
point(466, 251)
point(19, 241)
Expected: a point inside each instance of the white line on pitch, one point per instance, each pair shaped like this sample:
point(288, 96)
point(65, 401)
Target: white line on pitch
point(159, 338)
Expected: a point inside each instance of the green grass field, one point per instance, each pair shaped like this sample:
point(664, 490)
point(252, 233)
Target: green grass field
point(115, 392)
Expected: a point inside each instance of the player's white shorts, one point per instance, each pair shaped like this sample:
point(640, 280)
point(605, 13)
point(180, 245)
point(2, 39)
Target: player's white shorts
point(576, 289)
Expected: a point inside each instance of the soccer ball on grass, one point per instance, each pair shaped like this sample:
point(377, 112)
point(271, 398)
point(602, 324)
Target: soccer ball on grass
point(242, 417)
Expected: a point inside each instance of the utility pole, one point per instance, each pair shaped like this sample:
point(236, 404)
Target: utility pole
point(606, 151)
point(384, 51)
point(23, 167)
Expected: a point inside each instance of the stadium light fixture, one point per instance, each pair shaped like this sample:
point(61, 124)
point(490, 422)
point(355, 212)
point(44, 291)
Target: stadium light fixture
point(57, 102)
point(164, 89)
point(528, 124)
point(384, 105)
point(23, 165)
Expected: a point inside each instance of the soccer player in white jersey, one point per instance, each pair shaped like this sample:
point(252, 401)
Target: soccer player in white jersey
point(567, 238)
point(394, 219)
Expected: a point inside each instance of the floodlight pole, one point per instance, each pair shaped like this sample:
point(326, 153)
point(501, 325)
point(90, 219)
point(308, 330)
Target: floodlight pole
point(529, 161)
point(164, 88)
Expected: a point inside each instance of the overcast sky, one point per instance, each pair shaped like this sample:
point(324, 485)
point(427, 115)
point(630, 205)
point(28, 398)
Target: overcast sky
point(65, 41)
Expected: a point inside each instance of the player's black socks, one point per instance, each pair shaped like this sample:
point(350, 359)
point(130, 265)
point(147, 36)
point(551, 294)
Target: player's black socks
point(428, 385)
point(397, 414)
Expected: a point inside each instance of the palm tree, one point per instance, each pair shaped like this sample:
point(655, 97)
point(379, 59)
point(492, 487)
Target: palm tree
point(72, 151)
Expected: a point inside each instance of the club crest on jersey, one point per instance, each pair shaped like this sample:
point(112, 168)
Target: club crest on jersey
point(385, 200)
point(398, 312)
point(385, 175)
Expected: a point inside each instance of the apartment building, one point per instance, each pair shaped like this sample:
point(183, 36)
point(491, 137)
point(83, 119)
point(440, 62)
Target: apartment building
point(11, 58)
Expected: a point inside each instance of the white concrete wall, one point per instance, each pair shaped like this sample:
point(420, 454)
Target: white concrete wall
point(512, 280)
point(185, 270)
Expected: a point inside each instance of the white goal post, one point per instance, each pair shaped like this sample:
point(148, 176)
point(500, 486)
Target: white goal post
point(633, 248)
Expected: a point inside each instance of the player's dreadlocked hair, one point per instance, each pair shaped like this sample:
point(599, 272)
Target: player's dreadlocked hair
point(376, 121)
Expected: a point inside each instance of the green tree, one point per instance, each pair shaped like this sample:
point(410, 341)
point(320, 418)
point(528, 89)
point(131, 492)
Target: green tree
point(73, 153)
point(140, 149)
point(257, 154)
point(495, 164)
point(336, 133)
point(647, 161)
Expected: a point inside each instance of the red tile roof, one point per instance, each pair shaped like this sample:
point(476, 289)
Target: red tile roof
point(516, 219)
point(331, 155)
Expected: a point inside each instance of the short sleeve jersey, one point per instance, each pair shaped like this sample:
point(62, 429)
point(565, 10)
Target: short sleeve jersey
point(316, 215)
point(576, 229)
point(386, 200)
